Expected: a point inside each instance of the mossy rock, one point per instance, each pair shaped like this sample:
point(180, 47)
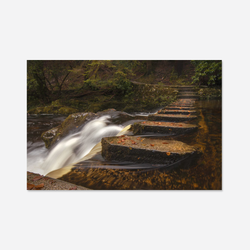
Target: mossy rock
point(66, 110)
point(71, 123)
point(49, 135)
point(57, 103)
point(210, 93)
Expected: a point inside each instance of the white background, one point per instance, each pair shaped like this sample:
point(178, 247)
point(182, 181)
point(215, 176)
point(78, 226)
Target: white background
point(125, 30)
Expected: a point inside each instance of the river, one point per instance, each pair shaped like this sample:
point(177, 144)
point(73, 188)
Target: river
point(96, 173)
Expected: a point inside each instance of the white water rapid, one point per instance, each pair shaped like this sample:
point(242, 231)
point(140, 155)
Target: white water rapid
point(73, 148)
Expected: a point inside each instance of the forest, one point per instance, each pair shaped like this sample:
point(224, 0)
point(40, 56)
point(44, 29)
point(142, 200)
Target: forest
point(68, 86)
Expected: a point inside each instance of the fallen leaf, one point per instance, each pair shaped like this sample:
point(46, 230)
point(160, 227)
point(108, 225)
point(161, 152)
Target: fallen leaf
point(30, 186)
point(152, 145)
point(39, 186)
point(73, 188)
point(37, 178)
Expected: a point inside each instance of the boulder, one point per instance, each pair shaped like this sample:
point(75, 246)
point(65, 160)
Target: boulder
point(71, 123)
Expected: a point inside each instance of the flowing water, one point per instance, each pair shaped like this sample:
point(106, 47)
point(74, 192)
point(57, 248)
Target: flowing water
point(96, 173)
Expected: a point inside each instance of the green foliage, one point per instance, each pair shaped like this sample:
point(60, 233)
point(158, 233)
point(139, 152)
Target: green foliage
point(173, 75)
point(110, 76)
point(207, 72)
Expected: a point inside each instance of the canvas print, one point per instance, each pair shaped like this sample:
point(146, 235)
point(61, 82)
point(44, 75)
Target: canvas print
point(124, 125)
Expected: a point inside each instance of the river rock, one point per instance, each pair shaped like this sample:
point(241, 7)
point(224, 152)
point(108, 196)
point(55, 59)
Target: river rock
point(167, 128)
point(70, 124)
point(145, 150)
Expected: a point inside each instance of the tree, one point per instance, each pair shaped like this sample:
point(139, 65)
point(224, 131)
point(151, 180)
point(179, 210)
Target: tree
point(207, 72)
point(48, 76)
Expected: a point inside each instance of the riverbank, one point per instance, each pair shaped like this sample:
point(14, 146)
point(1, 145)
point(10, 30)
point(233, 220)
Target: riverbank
point(143, 98)
point(39, 182)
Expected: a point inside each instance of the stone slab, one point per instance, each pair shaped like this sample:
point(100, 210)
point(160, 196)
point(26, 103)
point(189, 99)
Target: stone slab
point(188, 96)
point(171, 118)
point(145, 150)
point(168, 128)
point(177, 111)
point(179, 108)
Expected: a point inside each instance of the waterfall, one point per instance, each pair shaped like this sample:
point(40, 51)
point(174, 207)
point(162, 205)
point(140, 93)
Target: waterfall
point(73, 148)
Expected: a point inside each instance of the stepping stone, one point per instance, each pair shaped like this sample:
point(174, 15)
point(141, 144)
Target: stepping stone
point(167, 128)
point(179, 108)
point(188, 96)
point(171, 118)
point(184, 102)
point(146, 150)
point(179, 111)
point(186, 90)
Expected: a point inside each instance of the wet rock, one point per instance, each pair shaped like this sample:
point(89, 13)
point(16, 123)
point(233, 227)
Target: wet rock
point(146, 150)
point(177, 111)
point(167, 128)
point(179, 108)
point(171, 118)
point(49, 135)
point(71, 123)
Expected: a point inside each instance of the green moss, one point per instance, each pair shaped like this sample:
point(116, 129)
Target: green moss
point(66, 110)
point(70, 123)
point(53, 110)
point(209, 93)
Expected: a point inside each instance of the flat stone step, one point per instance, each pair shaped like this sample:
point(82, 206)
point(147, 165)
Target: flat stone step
point(168, 128)
point(145, 150)
point(171, 118)
point(179, 108)
point(186, 90)
point(184, 101)
point(187, 93)
point(177, 111)
point(188, 96)
point(182, 104)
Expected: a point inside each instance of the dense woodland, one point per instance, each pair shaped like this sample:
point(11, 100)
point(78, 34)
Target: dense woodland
point(51, 80)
